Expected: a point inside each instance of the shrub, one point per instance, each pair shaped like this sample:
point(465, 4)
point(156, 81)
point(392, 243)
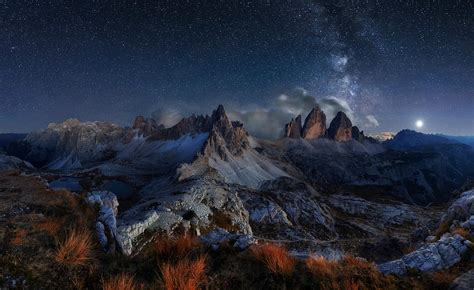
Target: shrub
point(184, 274)
point(463, 233)
point(321, 266)
point(19, 238)
point(178, 248)
point(123, 281)
point(276, 258)
point(76, 249)
point(51, 225)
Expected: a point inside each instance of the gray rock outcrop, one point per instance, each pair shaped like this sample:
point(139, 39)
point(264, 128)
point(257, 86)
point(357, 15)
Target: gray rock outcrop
point(431, 257)
point(106, 225)
point(219, 236)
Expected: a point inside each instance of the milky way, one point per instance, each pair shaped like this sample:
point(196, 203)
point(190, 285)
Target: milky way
point(388, 62)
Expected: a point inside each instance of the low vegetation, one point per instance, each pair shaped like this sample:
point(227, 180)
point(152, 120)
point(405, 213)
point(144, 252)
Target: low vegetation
point(123, 281)
point(167, 247)
point(47, 241)
point(76, 250)
point(276, 258)
point(185, 274)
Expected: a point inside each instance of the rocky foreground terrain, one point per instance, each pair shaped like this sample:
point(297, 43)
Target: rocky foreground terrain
point(323, 207)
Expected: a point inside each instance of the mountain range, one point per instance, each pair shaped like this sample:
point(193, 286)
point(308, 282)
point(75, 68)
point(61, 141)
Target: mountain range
point(318, 186)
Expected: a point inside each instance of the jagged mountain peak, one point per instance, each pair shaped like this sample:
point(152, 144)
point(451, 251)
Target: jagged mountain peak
point(146, 126)
point(293, 128)
point(314, 124)
point(340, 128)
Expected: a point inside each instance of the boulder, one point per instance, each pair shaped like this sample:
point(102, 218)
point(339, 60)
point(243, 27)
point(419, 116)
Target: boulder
point(106, 225)
point(219, 236)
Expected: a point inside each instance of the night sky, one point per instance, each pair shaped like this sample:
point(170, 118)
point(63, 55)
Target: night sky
point(386, 63)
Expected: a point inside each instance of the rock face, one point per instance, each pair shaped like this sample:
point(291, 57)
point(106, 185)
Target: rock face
point(194, 204)
point(146, 126)
point(227, 150)
point(197, 124)
point(225, 136)
point(431, 257)
point(340, 128)
point(441, 254)
point(380, 216)
point(106, 225)
point(357, 134)
point(219, 236)
point(70, 144)
point(314, 124)
point(293, 129)
point(290, 208)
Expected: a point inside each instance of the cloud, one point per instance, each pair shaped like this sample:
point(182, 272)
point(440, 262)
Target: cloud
point(332, 105)
point(167, 116)
point(371, 121)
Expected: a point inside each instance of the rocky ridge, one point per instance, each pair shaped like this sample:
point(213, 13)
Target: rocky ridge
point(445, 252)
point(314, 127)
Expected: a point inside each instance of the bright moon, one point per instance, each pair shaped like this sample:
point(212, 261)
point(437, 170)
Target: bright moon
point(419, 123)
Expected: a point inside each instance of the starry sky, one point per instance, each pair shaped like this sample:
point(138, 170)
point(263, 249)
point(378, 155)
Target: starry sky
point(385, 63)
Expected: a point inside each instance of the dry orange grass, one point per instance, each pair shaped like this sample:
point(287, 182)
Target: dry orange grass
point(444, 277)
point(51, 225)
point(358, 263)
point(19, 238)
point(180, 247)
point(276, 258)
point(76, 249)
point(442, 228)
point(185, 274)
point(321, 266)
point(351, 285)
point(463, 233)
point(123, 281)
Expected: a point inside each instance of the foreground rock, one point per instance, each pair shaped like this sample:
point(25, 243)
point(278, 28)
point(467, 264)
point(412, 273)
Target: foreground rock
point(106, 225)
point(439, 255)
point(219, 236)
point(192, 205)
